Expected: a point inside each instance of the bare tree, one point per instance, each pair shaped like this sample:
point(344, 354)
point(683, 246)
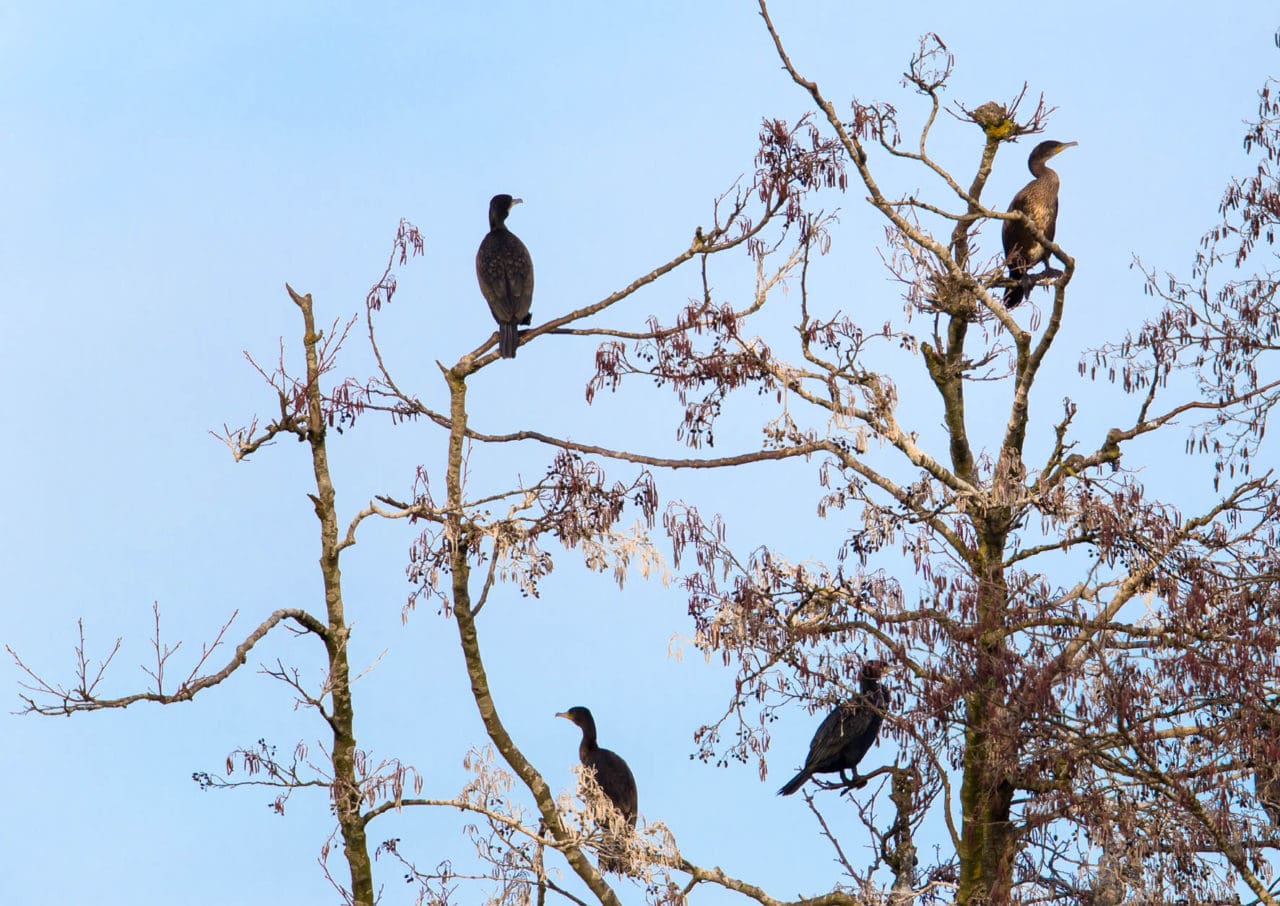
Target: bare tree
point(1087, 668)
point(1090, 660)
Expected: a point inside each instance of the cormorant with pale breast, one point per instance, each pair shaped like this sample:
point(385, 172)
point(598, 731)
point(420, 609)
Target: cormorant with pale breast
point(505, 272)
point(1038, 199)
point(616, 783)
point(847, 733)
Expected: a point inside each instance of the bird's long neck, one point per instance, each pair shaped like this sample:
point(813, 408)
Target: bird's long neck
point(1040, 168)
point(497, 222)
point(588, 743)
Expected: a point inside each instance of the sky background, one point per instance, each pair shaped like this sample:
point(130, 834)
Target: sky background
point(168, 167)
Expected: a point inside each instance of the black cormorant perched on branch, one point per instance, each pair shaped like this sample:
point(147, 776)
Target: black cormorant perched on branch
point(1038, 199)
point(847, 733)
point(615, 781)
point(505, 272)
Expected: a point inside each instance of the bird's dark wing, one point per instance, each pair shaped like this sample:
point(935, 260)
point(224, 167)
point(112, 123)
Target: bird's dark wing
point(615, 780)
point(1013, 231)
point(519, 279)
point(864, 726)
point(827, 749)
point(861, 728)
point(1022, 250)
point(619, 787)
point(491, 276)
point(504, 270)
point(847, 734)
point(823, 752)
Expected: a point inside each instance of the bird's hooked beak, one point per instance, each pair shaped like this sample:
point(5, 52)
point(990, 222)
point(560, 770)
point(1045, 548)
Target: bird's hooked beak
point(564, 714)
point(1064, 146)
point(516, 201)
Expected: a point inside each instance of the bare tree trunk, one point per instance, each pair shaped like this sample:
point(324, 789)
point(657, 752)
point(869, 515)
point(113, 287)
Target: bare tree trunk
point(900, 853)
point(460, 537)
point(987, 837)
point(346, 788)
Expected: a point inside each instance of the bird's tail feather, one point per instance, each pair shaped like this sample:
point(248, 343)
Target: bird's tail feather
point(1013, 295)
point(508, 339)
point(613, 852)
point(794, 784)
point(614, 864)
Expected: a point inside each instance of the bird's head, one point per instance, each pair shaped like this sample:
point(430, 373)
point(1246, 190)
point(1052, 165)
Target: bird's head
point(500, 206)
point(873, 670)
point(578, 714)
point(1046, 150)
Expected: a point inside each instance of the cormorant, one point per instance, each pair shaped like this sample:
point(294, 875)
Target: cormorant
point(505, 272)
point(615, 781)
point(847, 733)
point(1038, 199)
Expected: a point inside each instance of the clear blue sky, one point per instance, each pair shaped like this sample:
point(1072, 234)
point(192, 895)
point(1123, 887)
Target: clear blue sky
point(166, 168)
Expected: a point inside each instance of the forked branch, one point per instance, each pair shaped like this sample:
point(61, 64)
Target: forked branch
point(50, 697)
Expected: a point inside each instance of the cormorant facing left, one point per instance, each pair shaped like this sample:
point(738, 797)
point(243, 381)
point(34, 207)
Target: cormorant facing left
point(505, 272)
point(1038, 199)
point(847, 733)
point(615, 781)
